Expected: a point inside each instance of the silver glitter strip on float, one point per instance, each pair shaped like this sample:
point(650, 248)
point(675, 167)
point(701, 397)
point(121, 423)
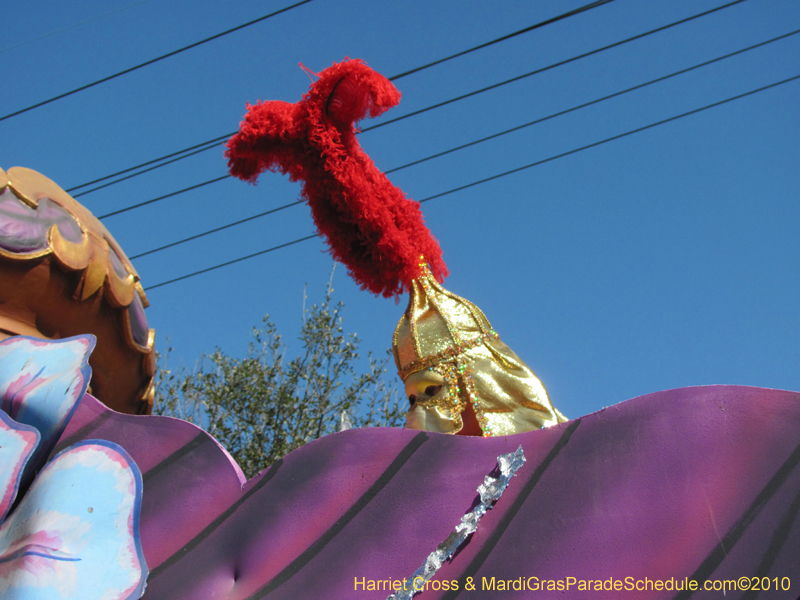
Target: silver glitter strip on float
point(490, 491)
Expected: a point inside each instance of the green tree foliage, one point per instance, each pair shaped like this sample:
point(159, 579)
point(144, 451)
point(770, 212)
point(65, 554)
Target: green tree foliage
point(263, 406)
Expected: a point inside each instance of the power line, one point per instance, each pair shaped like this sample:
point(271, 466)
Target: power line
point(228, 226)
point(456, 148)
point(547, 68)
point(231, 262)
point(153, 168)
point(611, 139)
point(105, 185)
point(170, 195)
point(506, 173)
point(154, 60)
point(591, 103)
point(215, 141)
point(566, 15)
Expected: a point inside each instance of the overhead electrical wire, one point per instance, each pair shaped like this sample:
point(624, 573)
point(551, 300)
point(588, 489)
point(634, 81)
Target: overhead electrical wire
point(449, 151)
point(215, 230)
point(566, 15)
point(152, 61)
point(592, 102)
point(231, 262)
point(503, 174)
point(611, 139)
point(218, 140)
point(214, 142)
point(170, 195)
point(78, 195)
point(547, 68)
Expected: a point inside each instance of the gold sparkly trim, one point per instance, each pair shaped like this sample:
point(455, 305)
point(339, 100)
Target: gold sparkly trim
point(394, 345)
point(451, 401)
point(461, 391)
point(412, 324)
point(448, 354)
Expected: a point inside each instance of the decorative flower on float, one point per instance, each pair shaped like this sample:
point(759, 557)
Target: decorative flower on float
point(74, 532)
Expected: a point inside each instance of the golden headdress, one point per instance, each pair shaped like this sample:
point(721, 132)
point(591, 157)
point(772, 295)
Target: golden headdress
point(445, 338)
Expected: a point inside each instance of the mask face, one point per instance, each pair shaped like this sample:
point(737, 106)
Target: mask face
point(423, 385)
point(424, 390)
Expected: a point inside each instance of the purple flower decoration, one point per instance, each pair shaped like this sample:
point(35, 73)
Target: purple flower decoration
point(75, 532)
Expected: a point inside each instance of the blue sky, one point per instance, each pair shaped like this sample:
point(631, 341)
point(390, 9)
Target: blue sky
point(663, 259)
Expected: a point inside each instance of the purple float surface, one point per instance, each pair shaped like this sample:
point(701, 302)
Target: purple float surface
point(700, 483)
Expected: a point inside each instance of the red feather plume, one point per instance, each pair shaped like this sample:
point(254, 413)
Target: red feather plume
point(370, 225)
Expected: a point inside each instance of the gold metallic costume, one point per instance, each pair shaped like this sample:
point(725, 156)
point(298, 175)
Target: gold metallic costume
point(452, 361)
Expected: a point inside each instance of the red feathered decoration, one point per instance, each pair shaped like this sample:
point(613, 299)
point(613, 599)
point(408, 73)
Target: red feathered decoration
point(371, 226)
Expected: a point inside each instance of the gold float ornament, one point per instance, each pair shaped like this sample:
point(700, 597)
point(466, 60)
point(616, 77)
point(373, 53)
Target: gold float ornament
point(73, 279)
point(455, 369)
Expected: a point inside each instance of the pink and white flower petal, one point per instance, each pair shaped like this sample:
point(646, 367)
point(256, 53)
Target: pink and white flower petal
point(17, 444)
point(75, 534)
point(41, 383)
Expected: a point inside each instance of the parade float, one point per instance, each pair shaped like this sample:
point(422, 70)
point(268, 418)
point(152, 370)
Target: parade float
point(679, 494)
point(63, 274)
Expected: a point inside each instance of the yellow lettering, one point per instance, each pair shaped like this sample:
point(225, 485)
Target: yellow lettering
point(487, 585)
point(629, 584)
